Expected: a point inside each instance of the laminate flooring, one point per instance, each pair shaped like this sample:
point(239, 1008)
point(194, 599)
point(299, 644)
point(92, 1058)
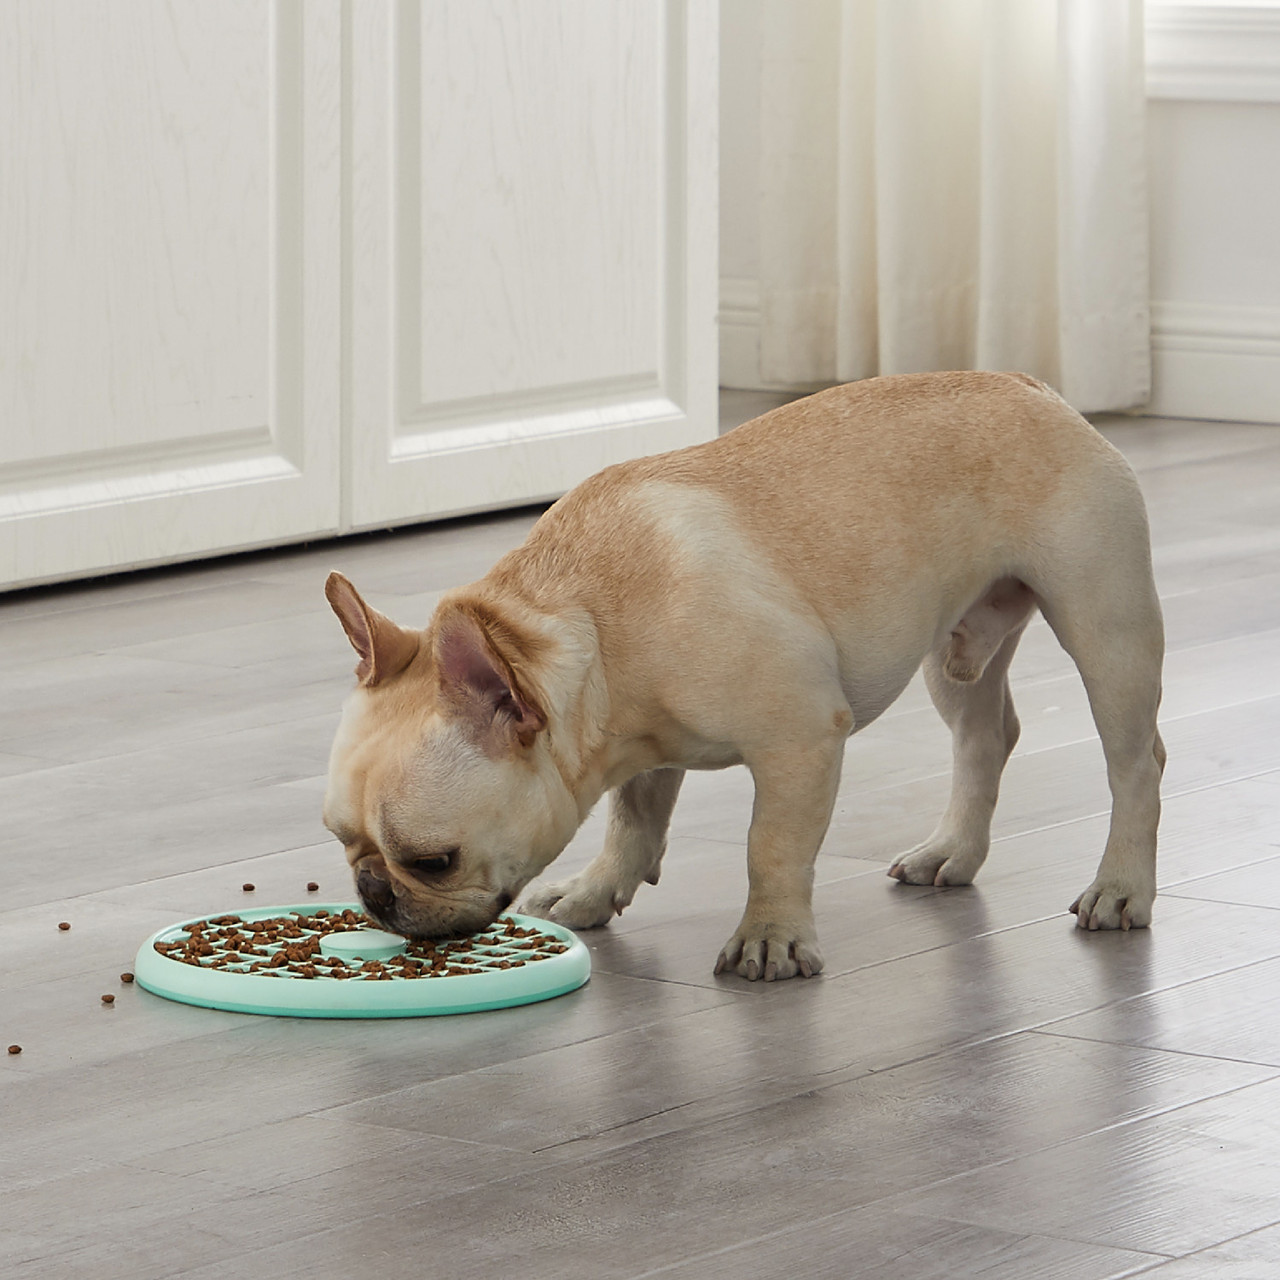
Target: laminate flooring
point(972, 1088)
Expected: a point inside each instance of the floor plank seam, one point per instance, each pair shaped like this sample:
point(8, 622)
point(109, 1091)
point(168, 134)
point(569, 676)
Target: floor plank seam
point(1209, 1248)
point(1165, 797)
point(1226, 902)
point(1166, 890)
point(1157, 990)
point(826, 1219)
point(1273, 1067)
point(1114, 1127)
point(963, 1046)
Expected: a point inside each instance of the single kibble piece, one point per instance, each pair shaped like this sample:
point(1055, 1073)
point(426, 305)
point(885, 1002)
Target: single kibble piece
point(126, 977)
point(64, 925)
point(248, 888)
point(312, 887)
point(15, 1048)
point(108, 999)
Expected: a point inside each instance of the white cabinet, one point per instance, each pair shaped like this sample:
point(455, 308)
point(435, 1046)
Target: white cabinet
point(276, 270)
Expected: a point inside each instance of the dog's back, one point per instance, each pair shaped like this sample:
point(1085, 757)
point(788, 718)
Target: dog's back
point(933, 483)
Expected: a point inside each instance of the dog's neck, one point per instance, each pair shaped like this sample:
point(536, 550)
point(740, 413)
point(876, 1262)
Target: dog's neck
point(568, 683)
point(577, 697)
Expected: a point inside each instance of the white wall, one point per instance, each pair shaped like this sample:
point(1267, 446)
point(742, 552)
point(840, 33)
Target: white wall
point(1213, 84)
point(1214, 178)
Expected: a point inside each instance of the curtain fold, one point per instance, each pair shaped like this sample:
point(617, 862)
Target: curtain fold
point(955, 184)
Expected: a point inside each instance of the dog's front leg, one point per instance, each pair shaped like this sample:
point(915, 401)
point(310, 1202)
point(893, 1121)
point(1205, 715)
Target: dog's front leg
point(635, 840)
point(795, 794)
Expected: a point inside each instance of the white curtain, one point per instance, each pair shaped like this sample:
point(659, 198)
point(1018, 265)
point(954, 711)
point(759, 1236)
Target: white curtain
point(951, 184)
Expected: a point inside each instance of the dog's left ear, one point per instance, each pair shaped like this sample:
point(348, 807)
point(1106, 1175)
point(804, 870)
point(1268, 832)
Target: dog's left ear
point(481, 683)
point(385, 648)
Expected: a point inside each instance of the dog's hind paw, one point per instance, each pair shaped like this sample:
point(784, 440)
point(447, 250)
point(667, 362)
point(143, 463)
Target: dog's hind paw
point(769, 954)
point(571, 903)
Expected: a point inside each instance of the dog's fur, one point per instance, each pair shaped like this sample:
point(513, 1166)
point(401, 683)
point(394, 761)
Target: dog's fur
point(755, 600)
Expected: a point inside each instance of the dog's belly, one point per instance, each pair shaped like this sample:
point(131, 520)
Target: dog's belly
point(869, 702)
point(710, 756)
point(878, 654)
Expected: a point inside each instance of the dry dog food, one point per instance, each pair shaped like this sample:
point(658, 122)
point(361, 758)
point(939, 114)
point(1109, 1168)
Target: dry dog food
point(108, 999)
point(288, 946)
point(248, 888)
point(312, 887)
point(64, 925)
point(15, 1048)
point(126, 977)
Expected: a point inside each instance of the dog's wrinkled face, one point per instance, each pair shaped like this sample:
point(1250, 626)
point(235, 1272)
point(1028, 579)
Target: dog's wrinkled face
point(440, 787)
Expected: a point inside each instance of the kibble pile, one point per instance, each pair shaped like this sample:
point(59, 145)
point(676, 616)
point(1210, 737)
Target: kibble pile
point(288, 946)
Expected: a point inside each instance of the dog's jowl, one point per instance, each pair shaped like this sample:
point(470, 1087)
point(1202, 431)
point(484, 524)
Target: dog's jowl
point(756, 600)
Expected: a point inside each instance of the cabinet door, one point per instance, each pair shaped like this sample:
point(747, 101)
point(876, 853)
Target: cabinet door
point(533, 246)
point(169, 287)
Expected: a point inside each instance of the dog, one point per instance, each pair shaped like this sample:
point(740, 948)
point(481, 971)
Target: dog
point(755, 600)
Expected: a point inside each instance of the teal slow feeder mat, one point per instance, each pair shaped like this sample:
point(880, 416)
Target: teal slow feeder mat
point(328, 961)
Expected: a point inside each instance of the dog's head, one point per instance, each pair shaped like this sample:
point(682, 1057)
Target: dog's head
point(441, 786)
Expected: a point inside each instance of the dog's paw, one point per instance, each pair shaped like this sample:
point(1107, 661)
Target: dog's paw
point(1107, 905)
point(574, 903)
point(938, 864)
point(771, 952)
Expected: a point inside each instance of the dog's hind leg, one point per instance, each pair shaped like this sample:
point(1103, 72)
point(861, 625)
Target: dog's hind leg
point(968, 679)
point(635, 840)
point(1113, 630)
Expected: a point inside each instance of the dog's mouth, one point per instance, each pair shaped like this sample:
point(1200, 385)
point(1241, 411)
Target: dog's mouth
point(397, 915)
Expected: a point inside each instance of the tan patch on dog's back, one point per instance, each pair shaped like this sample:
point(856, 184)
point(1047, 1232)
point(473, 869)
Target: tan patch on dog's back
point(895, 473)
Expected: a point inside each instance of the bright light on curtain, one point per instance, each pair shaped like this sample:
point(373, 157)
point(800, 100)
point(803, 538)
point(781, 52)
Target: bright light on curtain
point(952, 184)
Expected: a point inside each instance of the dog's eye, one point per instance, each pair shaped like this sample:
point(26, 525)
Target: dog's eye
point(435, 864)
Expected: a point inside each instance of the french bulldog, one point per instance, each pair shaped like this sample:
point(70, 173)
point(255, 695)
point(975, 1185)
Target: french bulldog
point(755, 600)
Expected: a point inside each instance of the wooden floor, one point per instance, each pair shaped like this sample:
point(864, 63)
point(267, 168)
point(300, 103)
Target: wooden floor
point(972, 1088)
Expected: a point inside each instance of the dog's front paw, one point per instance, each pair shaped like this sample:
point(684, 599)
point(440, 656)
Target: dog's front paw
point(771, 952)
point(1107, 905)
point(938, 864)
point(574, 903)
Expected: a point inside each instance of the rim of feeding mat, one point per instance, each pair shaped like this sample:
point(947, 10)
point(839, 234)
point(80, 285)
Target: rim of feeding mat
point(322, 996)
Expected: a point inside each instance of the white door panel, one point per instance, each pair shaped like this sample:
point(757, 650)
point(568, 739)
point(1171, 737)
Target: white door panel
point(533, 247)
point(168, 305)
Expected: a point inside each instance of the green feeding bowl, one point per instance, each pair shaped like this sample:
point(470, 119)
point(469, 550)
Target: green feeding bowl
point(329, 961)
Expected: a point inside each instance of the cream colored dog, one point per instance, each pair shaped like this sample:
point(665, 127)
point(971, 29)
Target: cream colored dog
point(755, 600)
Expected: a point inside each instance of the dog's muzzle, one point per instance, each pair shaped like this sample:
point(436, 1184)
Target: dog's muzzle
point(409, 919)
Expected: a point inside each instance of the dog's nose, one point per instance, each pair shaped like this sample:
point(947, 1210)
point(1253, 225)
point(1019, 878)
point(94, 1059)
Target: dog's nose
point(374, 890)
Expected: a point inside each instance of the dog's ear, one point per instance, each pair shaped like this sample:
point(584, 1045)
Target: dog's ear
point(480, 683)
point(385, 649)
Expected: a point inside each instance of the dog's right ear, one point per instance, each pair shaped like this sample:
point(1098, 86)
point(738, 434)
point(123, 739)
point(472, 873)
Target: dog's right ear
point(385, 648)
point(480, 682)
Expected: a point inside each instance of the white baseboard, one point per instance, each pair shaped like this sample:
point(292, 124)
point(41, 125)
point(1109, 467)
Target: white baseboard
point(1208, 360)
point(1217, 362)
point(740, 333)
